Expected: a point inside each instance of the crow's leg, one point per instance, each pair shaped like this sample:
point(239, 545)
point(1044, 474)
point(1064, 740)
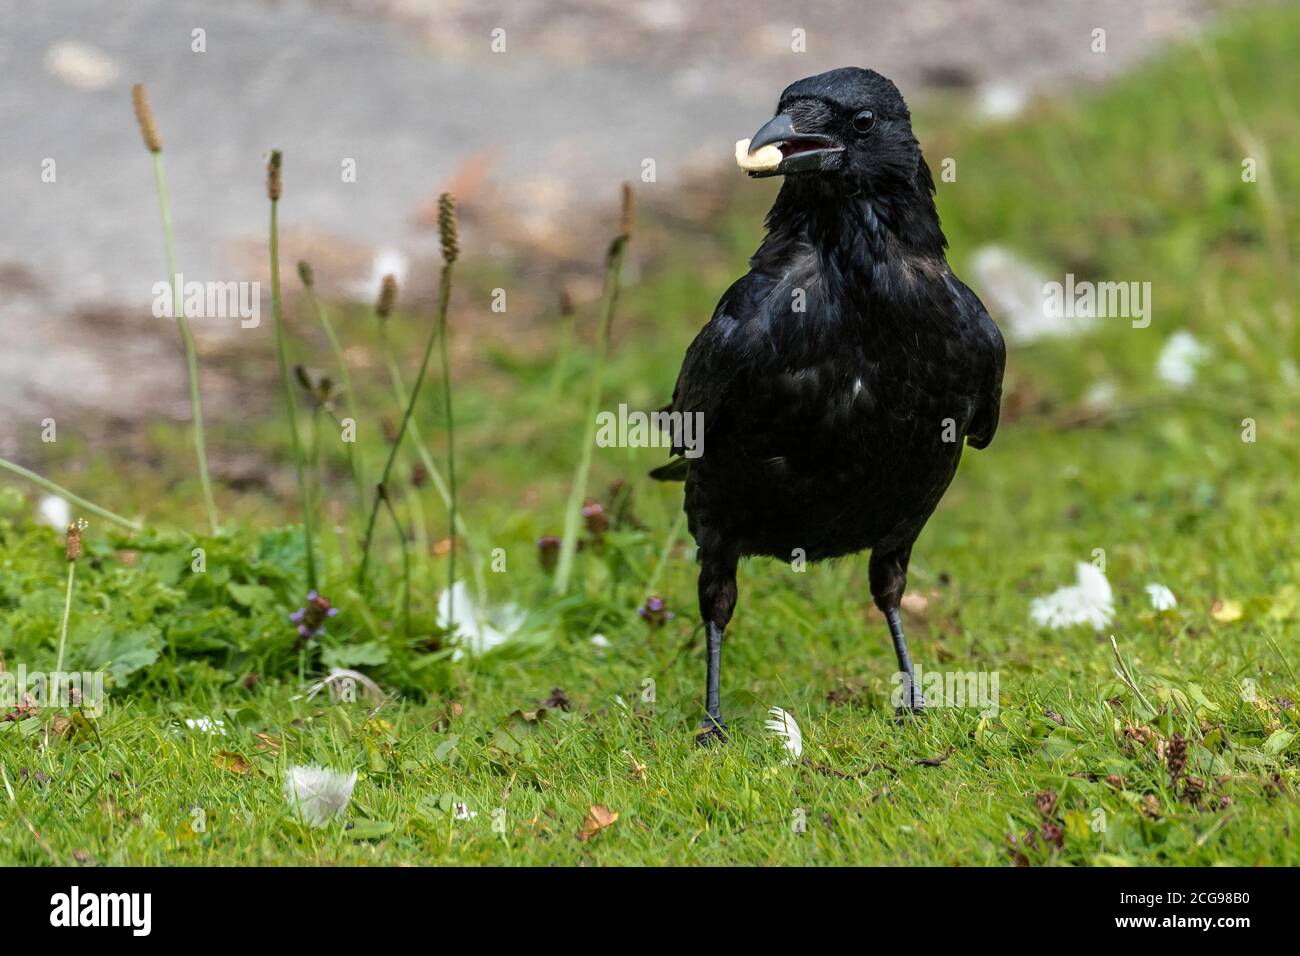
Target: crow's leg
point(888, 574)
point(717, 602)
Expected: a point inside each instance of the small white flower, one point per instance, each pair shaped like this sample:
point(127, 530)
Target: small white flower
point(1101, 395)
point(206, 725)
point(600, 640)
point(1089, 601)
point(54, 511)
point(386, 262)
point(783, 725)
point(1162, 599)
point(1001, 100)
point(317, 793)
point(476, 630)
point(460, 811)
point(80, 66)
point(1179, 358)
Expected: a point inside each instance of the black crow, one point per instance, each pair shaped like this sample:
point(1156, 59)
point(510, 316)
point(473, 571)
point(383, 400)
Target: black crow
point(838, 379)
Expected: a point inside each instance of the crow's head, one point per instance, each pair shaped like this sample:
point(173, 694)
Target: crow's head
point(849, 128)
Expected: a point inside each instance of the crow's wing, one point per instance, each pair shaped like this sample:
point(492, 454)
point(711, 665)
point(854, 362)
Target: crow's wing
point(725, 346)
point(986, 339)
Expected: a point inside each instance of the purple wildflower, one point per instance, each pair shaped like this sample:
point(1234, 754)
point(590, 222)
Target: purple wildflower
point(1054, 835)
point(310, 619)
point(655, 612)
point(596, 518)
point(548, 551)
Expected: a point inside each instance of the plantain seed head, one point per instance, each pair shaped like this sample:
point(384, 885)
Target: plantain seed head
point(628, 218)
point(447, 228)
point(273, 183)
point(144, 116)
point(72, 539)
point(387, 297)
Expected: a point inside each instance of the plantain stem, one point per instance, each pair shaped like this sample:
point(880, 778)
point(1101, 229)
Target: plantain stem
point(77, 500)
point(187, 337)
point(406, 562)
point(67, 612)
point(290, 407)
point(451, 450)
point(354, 460)
point(444, 294)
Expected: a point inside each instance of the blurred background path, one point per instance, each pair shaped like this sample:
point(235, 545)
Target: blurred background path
point(534, 139)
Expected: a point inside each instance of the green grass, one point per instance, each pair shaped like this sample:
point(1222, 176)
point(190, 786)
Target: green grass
point(1138, 182)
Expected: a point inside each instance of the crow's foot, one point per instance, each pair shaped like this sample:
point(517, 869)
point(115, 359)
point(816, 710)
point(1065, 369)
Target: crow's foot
point(916, 709)
point(712, 733)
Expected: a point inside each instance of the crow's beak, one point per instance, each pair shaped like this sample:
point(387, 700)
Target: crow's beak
point(777, 148)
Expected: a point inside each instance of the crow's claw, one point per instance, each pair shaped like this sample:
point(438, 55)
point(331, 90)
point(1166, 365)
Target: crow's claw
point(916, 709)
point(712, 733)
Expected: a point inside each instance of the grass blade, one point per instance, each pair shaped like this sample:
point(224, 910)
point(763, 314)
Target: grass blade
point(149, 129)
point(578, 491)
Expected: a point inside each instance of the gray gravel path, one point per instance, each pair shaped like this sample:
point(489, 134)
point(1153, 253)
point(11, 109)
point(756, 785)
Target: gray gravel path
point(413, 93)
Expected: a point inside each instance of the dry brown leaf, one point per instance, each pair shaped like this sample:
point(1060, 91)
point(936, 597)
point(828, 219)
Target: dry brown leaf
point(233, 762)
point(598, 819)
point(914, 604)
point(1226, 612)
point(24, 710)
point(1142, 735)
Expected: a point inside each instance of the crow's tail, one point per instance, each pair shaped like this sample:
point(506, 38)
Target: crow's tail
point(675, 470)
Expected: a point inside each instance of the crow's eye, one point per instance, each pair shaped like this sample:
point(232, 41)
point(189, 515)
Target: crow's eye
point(865, 121)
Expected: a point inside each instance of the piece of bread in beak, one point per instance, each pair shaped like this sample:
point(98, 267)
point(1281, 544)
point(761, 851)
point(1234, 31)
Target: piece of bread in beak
point(765, 160)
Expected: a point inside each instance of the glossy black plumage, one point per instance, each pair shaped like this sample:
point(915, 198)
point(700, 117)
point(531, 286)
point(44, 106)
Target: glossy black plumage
point(840, 377)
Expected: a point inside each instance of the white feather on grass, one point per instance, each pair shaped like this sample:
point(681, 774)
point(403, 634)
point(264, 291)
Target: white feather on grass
point(340, 682)
point(783, 725)
point(318, 794)
point(1087, 601)
point(1162, 599)
point(1013, 290)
